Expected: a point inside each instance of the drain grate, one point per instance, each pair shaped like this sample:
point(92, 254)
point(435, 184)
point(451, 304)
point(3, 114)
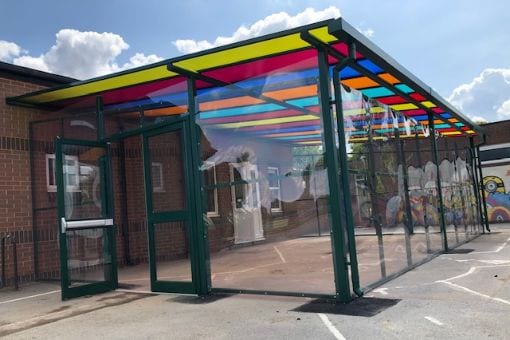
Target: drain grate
point(367, 306)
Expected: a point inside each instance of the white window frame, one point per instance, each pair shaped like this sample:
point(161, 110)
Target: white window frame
point(215, 211)
point(276, 171)
point(159, 172)
point(53, 187)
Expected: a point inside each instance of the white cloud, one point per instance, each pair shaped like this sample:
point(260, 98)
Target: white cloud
point(272, 23)
point(504, 109)
point(9, 50)
point(486, 96)
point(33, 62)
point(478, 119)
point(369, 33)
point(140, 59)
point(84, 55)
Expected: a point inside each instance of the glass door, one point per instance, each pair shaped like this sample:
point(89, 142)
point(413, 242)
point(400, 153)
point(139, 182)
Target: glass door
point(169, 219)
point(85, 217)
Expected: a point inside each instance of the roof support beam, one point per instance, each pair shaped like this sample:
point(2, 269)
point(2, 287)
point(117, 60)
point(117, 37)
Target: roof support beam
point(306, 36)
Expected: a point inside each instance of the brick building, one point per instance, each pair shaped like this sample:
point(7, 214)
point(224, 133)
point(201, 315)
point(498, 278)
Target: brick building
point(495, 156)
point(15, 184)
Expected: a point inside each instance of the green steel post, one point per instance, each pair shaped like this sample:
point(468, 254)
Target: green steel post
point(451, 207)
point(337, 234)
point(372, 186)
point(99, 118)
point(204, 270)
point(59, 177)
point(438, 180)
point(344, 170)
point(474, 184)
point(462, 198)
point(424, 206)
point(481, 190)
point(407, 203)
point(110, 206)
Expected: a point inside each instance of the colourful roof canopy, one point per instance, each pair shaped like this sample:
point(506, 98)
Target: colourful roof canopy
point(265, 86)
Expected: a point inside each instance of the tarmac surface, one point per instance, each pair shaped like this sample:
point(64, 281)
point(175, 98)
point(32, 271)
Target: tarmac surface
point(463, 294)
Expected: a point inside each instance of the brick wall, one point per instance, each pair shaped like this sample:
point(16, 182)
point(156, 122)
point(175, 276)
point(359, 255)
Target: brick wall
point(15, 186)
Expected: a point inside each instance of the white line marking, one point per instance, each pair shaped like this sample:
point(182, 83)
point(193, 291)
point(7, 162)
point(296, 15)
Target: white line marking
point(497, 250)
point(469, 272)
point(280, 254)
point(485, 261)
point(434, 320)
point(476, 293)
point(29, 297)
point(336, 333)
point(382, 291)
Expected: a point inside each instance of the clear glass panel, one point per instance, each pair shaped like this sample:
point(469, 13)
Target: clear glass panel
point(167, 172)
point(394, 195)
point(263, 135)
point(420, 238)
point(172, 251)
point(83, 126)
point(82, 181)
point(115, 123)
point(88, 259)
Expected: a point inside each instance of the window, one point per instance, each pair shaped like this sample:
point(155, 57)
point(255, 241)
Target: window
point(273, 176)
point(211, 189)
point(157, 177)
point(71, 173)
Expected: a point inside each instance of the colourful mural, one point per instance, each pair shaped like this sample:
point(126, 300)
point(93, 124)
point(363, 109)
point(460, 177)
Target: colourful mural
point(496, 183)
point(457, 193)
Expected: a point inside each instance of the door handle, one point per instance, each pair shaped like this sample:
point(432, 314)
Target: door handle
point(85, 224)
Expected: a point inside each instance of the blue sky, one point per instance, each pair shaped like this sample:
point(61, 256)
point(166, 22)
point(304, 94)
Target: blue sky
point(460, 48)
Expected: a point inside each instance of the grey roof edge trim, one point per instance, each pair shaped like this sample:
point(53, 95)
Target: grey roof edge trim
point(340, 27)
point(33, 73)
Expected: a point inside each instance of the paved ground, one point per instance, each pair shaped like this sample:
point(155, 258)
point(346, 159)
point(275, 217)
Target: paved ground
point(455, 296)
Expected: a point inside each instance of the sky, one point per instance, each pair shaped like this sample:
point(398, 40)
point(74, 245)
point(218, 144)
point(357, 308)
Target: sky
point(461, 48)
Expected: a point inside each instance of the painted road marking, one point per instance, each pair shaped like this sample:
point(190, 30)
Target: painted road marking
point(336, 333)
point(29, 297)
point(434, 320)
point(474, 292)
point(280, 254)
point(497, 250)
point(382, 291)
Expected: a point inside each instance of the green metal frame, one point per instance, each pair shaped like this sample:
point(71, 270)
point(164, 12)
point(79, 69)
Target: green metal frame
point(186, 215)
point(335, 197)
point(344, 171)
point(109, 245)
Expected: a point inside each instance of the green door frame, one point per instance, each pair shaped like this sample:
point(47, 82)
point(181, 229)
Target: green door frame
point(180, 124)
point(109, 248)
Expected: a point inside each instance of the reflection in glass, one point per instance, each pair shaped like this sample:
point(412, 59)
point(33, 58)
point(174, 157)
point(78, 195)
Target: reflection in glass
point(172, 252)
point(82, 167)
point(167, 172)
point(264, 137)
point(88, 258)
